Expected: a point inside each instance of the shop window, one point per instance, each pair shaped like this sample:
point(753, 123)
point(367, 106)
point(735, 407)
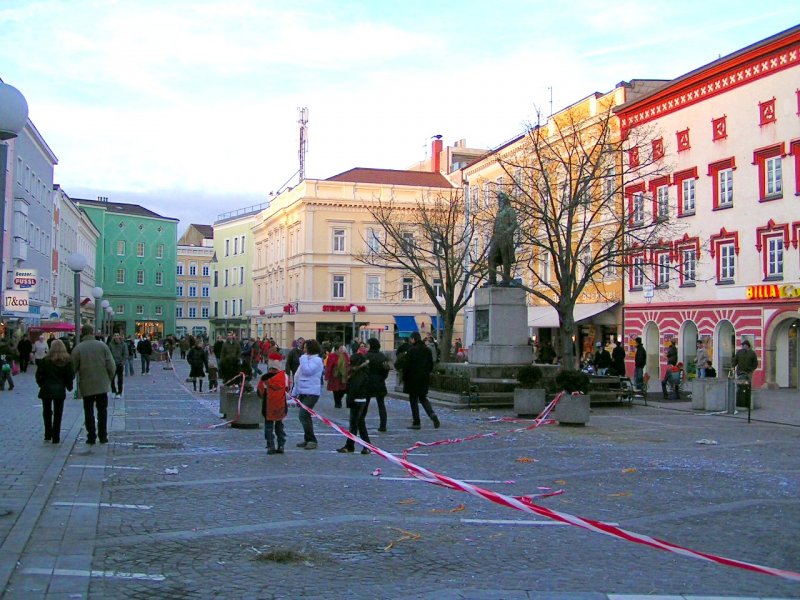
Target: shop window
point(770, 171)
point(721, 173)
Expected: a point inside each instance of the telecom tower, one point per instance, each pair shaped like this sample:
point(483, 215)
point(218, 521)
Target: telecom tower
point(303, 120)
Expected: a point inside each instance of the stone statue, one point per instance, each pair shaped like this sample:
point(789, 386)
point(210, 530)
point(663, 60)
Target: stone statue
point(501, 248)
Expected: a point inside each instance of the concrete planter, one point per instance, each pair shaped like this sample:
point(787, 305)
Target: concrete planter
point(709, 394)
point(249, 412)
point(529, 402)
point(572, 410)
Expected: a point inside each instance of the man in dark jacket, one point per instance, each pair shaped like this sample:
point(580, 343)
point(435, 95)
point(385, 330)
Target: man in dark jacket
point(618, 359)
point(293, 358)
point(416, 377)
point(672, 360)
point(145, 350)
point(602, 359)
point(639, 363)
point(24, 348)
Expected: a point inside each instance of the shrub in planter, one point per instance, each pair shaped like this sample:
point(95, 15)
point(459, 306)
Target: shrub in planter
point(571, 381)
point(529, 376)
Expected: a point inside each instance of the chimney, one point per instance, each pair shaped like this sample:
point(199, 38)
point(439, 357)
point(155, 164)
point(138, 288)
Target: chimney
point(102, 198)
point(436, 149)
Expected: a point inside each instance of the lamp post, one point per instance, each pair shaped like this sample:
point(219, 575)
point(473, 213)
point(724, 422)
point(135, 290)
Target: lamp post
point(110, 320)
point(354, 312)
point(13, 115)
point(77, 263)
point(104, 306)
point(97, 293)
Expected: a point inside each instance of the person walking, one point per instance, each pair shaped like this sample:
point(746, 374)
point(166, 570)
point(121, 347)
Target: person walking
point(272, 391)
point(618, 359)
point(307, 388)
point(357, 402)
point(24, 349)
point(145, 350)
point(93, 363)
point(197, 357)
point(337, 367)
point(185, 346)
point(639, 364)
point(672, 360)
point(54, 377)
point(378, 372)
point(745, 361)
point(40, 349)
point(602, 359)
point(416, 378)
point(119, 350)
point(129, 370)
point(293, 358)
point(701, 358)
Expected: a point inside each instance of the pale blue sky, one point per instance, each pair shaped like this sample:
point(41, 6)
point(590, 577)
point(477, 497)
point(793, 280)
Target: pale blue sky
point(189, 107)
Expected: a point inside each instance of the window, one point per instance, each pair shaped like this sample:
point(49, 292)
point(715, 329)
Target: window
point(178, 311)
point(120, 275)
point(637, 214)
point(373, 241)
point(241, 275)
point(227, 247)
point(140, 249)
point(544, 268)
point(373, 287)
point(121, 248)
point(688, 266)
point(774, 258)
point(216, 278)
point(226, 278)
point(637, 276)
point(438, 288)
point(241, 300)
point(225, 308)
point(192, 312)
point(235, 245)
point(686, 181)
point(204, 312)
point(408, 241)
point(612, 253)
point(119, 309)
point(140, 309)
point(586, 261)
point(179, 290)
point(408, 288)
point(241, 244)
point(205, 271)
point(159, 311)
point(770, 171)
point(140, 277)
point(610, 181)
point(662, 202)
point(192, 290)
point(204, 291)
point(192, 270)
point(727, 258)
point(721, 174)
point(160, 251)
point(662, 264)
point(338, 287)
point(338, 240)
point(179, 270)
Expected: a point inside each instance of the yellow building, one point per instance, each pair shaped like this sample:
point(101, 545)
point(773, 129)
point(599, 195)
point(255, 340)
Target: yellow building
point(307, 279)
point(193, 281)
point(555, 160)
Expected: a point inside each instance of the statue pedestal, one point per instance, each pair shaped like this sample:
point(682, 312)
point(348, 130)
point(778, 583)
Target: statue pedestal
point(501, 327)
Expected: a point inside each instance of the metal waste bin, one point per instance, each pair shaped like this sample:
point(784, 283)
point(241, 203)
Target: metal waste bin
point(730, 395)
point(743, 391)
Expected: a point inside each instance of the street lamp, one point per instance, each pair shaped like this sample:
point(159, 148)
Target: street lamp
point(77, 263)
point(354, 312)
point(110, 314)
point(97, 293)
point(104, 306)
point(13, 115)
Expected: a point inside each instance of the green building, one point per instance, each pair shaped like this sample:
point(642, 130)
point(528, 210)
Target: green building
point(136, 266)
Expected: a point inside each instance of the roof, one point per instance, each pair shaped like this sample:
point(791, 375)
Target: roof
point(133, 210)
point(393, 177)
point(207, 231)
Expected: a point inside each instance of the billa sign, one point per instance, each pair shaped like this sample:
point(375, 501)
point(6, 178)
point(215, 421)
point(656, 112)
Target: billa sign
point(26, 279)
point(16, 301)
point(773, 292)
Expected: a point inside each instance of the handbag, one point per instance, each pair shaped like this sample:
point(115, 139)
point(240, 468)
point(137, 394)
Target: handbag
point(15, 368)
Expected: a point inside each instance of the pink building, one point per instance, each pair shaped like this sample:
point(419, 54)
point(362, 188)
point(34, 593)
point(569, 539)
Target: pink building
point(729, 136)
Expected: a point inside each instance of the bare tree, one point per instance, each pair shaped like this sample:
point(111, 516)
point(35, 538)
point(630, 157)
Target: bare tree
point(580, 194)
point(435, 241)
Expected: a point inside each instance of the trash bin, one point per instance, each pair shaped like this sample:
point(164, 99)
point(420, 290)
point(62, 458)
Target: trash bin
point(743, 393)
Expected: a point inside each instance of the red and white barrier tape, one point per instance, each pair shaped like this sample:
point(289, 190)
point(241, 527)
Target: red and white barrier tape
point(243, 378)
point(524, 504)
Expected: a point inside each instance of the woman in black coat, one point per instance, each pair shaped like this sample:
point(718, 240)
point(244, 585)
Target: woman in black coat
point(54, 376)
point(378, 372)
point(416, 378)
point(198, 363)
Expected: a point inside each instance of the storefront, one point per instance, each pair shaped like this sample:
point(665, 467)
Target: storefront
point(767, 315)
point(595, 322)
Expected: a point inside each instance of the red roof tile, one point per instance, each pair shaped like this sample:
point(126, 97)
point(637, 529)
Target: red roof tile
point(392, 177)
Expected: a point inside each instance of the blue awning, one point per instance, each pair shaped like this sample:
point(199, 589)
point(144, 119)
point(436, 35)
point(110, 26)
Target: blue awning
point(405, 324)
point(437, 323)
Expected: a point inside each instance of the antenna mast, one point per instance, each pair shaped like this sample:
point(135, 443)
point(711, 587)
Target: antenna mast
point(303, 121)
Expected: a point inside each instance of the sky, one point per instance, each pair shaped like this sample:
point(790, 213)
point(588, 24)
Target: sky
point(190, 107)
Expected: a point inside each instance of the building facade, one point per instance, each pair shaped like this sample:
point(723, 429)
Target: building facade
point(136, 266)
point(193, 281)
point(730, 134)
point(307, 279)
point(232, 272)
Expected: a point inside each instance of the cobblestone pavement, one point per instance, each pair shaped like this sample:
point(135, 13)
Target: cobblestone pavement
point(171, 508)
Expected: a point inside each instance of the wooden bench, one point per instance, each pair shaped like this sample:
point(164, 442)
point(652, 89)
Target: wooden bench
point(610, 390)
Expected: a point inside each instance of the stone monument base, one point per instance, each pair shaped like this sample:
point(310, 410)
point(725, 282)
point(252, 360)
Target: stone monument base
point(501, 327)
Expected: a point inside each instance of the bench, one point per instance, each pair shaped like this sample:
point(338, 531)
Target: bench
point(611, 390)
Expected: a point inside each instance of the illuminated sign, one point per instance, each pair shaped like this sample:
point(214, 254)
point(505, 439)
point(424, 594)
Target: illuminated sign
point(772, 292)
point(342, 307)
point(16, 301)
point(26, 279)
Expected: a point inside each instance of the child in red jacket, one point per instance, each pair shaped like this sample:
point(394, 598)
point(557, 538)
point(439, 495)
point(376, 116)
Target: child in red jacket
point(272, 390)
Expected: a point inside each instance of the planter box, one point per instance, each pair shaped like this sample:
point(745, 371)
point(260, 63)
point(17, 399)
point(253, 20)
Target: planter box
point(709, 393)
point(249, 412)
point(529, 402)
point(572, 410)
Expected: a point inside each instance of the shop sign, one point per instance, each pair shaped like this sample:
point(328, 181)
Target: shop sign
point(772, 292)
point(16, 301)
point(26, 279)
point(342, 308)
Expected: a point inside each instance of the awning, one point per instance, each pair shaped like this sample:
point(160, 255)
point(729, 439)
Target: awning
point(546, 316)
point(437, 323)
point(53, 327)
point(405, 323)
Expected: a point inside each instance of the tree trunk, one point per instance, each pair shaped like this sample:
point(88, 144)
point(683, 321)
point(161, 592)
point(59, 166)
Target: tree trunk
point(566, 318)
point(446, 342)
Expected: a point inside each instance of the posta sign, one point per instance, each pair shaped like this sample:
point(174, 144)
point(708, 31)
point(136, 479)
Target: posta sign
point(773, 292)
